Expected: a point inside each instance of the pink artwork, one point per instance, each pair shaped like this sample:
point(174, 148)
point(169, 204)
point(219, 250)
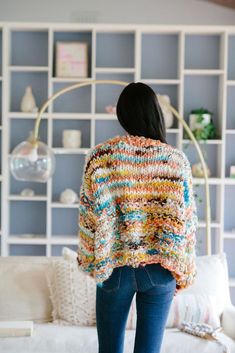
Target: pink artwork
point(71, 59)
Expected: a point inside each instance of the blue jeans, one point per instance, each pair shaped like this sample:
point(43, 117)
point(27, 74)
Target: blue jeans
point(154, 287)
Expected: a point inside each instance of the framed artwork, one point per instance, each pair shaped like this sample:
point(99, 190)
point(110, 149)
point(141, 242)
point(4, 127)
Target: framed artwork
point(72, 59)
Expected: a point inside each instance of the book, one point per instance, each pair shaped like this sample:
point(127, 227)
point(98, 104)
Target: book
point(16, 328)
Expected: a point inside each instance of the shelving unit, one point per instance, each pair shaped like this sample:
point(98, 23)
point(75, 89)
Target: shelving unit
point(170, 60)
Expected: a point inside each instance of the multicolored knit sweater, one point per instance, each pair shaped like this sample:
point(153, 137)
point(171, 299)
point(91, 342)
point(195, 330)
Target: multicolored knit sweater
point(137, 207)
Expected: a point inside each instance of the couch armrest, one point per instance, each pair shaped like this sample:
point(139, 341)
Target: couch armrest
point(228, 321)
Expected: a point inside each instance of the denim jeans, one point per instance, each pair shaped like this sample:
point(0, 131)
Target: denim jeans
point(154, 287)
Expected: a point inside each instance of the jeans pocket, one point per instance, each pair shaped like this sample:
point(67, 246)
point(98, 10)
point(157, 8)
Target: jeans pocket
point(159, 275)
point(112, 283)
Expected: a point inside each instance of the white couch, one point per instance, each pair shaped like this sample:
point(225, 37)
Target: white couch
point(24, 295)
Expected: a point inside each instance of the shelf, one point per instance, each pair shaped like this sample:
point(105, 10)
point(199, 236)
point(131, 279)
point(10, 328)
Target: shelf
point(63, 240)
point(71, 150)
point(40, 239)
point(203, 72)
point(21, 115)
point(230, 131)
point(211, 181)
point(204, 142)
point(202, 224)
point(160, 82)
point(28, 68)
point(27, 198)
point(229, 181)
point(115, 70)
point(63, 205)
point(70, 79)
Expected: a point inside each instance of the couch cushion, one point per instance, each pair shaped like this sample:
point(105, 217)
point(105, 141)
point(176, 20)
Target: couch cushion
point(49, 338)
point(24, 293)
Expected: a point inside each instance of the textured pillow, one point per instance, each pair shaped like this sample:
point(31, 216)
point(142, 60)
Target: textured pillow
point(72, 293)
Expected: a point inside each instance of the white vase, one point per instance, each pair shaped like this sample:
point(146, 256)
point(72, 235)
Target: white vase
point(71, 138)
point(168, 115)
point(28, 103)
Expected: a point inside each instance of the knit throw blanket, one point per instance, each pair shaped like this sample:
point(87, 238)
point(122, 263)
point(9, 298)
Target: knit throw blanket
point(137, 207)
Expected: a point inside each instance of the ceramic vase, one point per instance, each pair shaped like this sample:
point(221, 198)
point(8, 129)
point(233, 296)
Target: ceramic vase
point(28, 103)
point(168, 115)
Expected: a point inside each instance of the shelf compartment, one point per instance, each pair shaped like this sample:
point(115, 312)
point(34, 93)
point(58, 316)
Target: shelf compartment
point(230, 118)
point(17, 186)
point(115, 50)
point(229, 248)
point(20, 130)
point(105, 129)
point(19, 81)
point(64, 221)
point(75, 101)
point(202, 51)
point(229, 154)
point(29, 48)
point(56, 250)
point(27, 217)
point(172, 139)
point(159, 56)
point(200, 199)
point(229, 219)
point(232, 290)
point(73, 36)
point(211, 154)
point(68, 174)
point(108, 93)
point(201, 241)
point(27, 250)
point(231, 57)
point(202, 91)
point(60, 125)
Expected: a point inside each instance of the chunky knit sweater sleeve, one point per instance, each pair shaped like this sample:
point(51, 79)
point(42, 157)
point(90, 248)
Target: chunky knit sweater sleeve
point(191, 223)
point(87, 221)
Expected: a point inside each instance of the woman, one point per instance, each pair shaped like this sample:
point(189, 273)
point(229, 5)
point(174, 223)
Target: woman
point(137, 219)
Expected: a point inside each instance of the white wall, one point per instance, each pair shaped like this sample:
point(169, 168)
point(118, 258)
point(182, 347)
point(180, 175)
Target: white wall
point(118, 11)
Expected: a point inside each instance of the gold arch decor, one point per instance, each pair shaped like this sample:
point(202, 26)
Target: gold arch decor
point(34, 140)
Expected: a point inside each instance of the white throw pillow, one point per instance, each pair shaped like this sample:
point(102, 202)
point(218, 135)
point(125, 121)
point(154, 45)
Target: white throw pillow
point(72, 293)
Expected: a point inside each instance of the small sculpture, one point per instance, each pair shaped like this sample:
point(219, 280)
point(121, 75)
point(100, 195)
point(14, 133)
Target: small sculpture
point(28, 103)
point(68, 196)
point(168, 115)
point(27, 192)
point(197, 170)
point(110, 109)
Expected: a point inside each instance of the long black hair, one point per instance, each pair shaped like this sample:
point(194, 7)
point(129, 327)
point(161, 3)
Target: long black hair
point(139, 112)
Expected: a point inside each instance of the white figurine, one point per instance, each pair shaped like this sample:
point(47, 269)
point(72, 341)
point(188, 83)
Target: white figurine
point(28, 103)
point(68, 196)
point(168, 115)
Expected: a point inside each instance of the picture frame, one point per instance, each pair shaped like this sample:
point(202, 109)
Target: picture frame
point(72, 59)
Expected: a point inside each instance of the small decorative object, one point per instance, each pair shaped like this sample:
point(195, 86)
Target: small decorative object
point(68, 196)
point(71, 59)
point(204, 331)
point(201, 124)
point(168, 115)
point(197, 170)
point(232, 171)
point(28, 103)
point(27, 192)
point(72, 138)
point(111, 109)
